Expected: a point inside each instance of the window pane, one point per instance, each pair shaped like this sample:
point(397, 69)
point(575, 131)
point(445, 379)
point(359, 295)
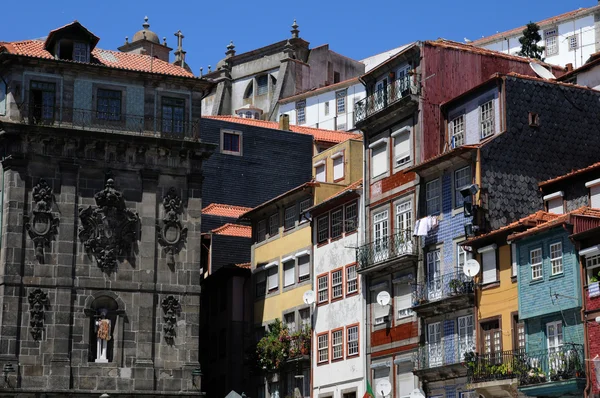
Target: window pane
point(432, 193)
point(290, 217)
point(379, 160)
point(337, 223)
point(457, 131)
point(337, 342)
point(352, 340)
point(263, 84)
point(323, 288)
point(351, 217)
point(486, 117)
point(322, 229)
point(274, 224)
point(402, 148)
point(462, 178)
point(351, 280)
point(288, 273)
point(338, 168)
point(303, 268)
point(556, 258)
point(536, 263)
point(261, 230)
point(320, 173)
point(336, 284)
point(273, 278)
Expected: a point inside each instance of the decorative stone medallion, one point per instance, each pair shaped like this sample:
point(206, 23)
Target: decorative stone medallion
point(38, 302)
point(108, 231)
point(42, 225)
point(171, 234)
point(171, 308)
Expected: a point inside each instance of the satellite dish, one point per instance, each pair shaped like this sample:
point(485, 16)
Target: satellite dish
point(541, 71)
point(308, 297)
point(417, 393)
point(383, 387)
point(471, 268)
point(383, 298)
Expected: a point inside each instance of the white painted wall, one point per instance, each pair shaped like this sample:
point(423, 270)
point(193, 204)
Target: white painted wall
point(590, 78)
point(471, 110)
point(583, 26)
point(335, 378)
point(376, 60)
point(315, 109)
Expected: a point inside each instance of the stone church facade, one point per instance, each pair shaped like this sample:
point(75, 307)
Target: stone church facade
point(100, 220)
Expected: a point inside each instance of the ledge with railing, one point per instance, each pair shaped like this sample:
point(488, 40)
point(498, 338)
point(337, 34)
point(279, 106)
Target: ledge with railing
point(441, 287)
point(495, 366)
point(449, 350)
point(84, 119)
point(562, 363)
point(382, 98)
point(401, 243)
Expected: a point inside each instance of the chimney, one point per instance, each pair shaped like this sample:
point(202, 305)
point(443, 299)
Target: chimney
point(569, 66)
point(284, 122)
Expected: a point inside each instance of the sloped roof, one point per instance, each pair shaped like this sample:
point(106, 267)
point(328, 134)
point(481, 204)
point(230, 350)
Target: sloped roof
point(331, 136)
point(319, 90)
point(308, 184)
point(556, 221)
point(571, 174)
point(229, 229)
point(223, 210)
point(99, 57)
point(350, 188)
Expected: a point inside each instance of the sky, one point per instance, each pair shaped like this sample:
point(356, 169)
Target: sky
point(354, 29)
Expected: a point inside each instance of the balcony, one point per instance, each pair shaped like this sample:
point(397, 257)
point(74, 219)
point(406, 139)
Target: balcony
point(443, 359)
point(90, 120)
point(443, 294)
point(496, 374)
point(398, 94)
point(395, 250)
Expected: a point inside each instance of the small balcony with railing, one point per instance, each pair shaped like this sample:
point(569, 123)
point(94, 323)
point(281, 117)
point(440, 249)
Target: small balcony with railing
point(495, 374)
point(396, 96)
point(173, 127)
point(443, 359)
point(445, 293)
point(391, 252)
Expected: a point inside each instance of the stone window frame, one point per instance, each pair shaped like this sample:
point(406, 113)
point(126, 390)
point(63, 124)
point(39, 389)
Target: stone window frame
point(239, 152)
point(111, 87)
point(117, 336)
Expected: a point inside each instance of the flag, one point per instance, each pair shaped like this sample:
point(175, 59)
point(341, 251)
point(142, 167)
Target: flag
point(369, 392)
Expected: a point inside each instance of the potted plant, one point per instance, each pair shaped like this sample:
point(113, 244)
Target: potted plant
point(456, 285)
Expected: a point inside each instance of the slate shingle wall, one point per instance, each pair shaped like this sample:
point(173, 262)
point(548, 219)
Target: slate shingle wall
point(229, 250)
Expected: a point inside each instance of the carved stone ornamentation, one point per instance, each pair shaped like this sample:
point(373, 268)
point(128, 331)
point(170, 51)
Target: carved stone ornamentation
point(42, 225)
point(171, 308)
point(38, 302)
point(171, 234)
point(110, 230)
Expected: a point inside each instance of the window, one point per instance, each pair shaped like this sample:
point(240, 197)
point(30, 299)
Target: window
point(173, 115)
point(289, 268)
point(80, 52)
point(323, 347)
point(336, 77)
point(338, 167)
point(594, 187)
point(403, 300)
point(261, 230)
point(486, 118)
point(401, 146)
point(406, 382)
point(380, 374)
point(462, 178)
point(290, 321)
point(231, 142)
point(304, 205)
point(457, 131)
point(351, 217)
point(322, 229)
point(326, 108)
point(351, 280)
point(323, 288)
point(290, 217)
point(303, 268)
point(488, 259)
point(536, 263)
point(340, 98)
point(108, 104)
point(337, 344)
point(380, 312)
point(249, 90)
point(534, 119)
point(551, 38)
point(262, 83)
point(273, 278)
point(304, 318)
point(301, 112)
point(554, 202)
point(518, 334)
point(461, 257)
point(434, 273)
point(352, 341)
point(492, 337)
point(379, 160)
point(73, 51)
point(42, 98)
point(261, 283)
point(554, 334)
point(337, 223)
point(337, 280)
point(320, 174)
point(432, 194)
point(380, 233)
point(404, 220)
point(274, 224)
point(556, 258)
point(591, 264)
point(513, 257)
point(573, 42)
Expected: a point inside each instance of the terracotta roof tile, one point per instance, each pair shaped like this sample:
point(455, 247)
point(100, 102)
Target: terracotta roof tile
point(571, 174)
point(321, 135)
point(244, 265)
point(242, 231)
point(231, 211)
point(351, 187)
point(309, 184)
point(556, 221)
point(108, 58)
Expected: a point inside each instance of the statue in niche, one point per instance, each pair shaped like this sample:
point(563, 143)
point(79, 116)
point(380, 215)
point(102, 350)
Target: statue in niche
point(102, 335)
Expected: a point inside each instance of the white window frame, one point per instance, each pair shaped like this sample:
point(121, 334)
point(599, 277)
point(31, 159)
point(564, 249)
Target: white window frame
point(556, 258)
point(433, 196)
point(461, 257)
point(339, 172)
point(402, 159)
point(486, 119)
point(323, 289)
point(573, 42)
point(592, 262)
point(558, 336)
point(339, 345)
point(301, 112)
point(537, 269)
point(551, 47)
point(285, 321)
point(340, 102)
point(320, 165)
point(457, 131)
point(351, 279)
point(352, 340)
point(375, 148)
point(337, 284)
point(323, 348)
point(594, 187)
point(459, 180)
point(554, 200)
point(513, 258)
point(289, 214)
point(326, 108)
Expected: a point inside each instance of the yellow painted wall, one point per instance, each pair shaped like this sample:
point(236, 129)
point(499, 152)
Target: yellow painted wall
point(353, 157)
point(501, 300)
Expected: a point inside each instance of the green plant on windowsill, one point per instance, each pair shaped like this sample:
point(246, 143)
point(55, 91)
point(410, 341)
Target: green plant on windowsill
point(456, 285)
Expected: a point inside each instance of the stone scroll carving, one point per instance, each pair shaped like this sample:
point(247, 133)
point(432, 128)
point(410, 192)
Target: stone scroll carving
point(108, 231)
point(38, 302)
point(171, 234)
point(42, 225)
point(171, 308)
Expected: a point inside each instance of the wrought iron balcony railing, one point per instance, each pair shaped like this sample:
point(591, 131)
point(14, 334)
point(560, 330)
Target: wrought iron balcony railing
point(495, 366)
point(84, 119)
point(554, 364)
point(393, 246)
point(447, 351)
point(441, 287)
point(381, 98)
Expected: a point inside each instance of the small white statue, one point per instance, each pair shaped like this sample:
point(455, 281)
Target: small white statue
point(102, 336)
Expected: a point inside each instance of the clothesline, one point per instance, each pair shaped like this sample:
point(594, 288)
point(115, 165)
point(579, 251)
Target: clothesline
point(424, 225)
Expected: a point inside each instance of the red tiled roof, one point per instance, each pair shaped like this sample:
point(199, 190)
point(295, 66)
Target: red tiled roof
point(321, 135)
point(244, 265)
point(570, 174)
point(319, 90)
point(107, 58)
point(355, 185)
point(442, 156)
point(242, 231)
point(231, 211)
point(541, 24)
point(556, 221)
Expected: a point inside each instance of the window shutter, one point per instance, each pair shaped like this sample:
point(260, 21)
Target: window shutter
point(489, 266)
point(379, 159)
point(303, 266)
point(402, 148)
point(273, 280)
point(379, 375)
point(288, 273)
point(379, 311)
point(2, 98)
point(594, 193)
point(338, 168)
point(406, 382)
point(556, 206)
point(320, 173)
point(403, 297)
point(513, 253)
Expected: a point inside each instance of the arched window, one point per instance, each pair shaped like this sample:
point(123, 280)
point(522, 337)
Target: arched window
point(103, 313)
point(249, 90)
point(273, 83)
point(262, 83)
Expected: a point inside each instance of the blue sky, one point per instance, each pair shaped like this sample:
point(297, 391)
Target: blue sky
point(352, 28)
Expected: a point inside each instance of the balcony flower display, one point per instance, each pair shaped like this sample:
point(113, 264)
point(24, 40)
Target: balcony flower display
point(279, 345)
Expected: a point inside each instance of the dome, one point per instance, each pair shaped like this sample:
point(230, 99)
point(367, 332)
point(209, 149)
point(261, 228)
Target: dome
point(146, 33)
